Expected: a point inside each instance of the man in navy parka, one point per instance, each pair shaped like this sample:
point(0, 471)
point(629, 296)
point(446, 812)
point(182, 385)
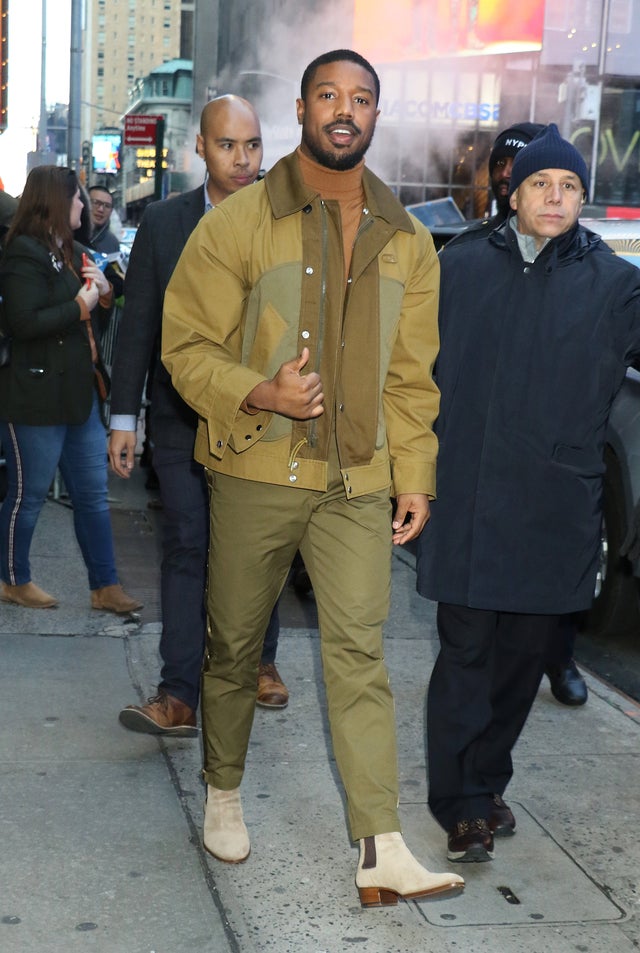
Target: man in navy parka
point(538, 322)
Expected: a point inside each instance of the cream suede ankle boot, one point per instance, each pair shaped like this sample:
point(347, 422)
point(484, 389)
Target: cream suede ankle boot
point(387, 870)
point(225, 833)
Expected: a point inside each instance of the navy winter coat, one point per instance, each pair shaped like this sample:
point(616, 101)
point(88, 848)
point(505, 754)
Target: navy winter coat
point(531, 358)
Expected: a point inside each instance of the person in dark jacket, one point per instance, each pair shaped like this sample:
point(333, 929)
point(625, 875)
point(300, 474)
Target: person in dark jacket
point(230, 143)
point(49, 392)
point(84, 235)
point(567, 684)
point(538, 324)
point(506, 146)
point(103, 239)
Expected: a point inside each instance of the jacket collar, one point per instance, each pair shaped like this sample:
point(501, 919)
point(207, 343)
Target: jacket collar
point(570, 246)
point(288, 194)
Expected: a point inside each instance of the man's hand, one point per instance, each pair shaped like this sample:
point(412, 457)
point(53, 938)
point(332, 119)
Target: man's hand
point(122, 446)
point(290, 393)
point(414, 505)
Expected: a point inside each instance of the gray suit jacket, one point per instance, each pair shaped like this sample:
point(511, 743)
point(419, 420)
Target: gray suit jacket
point(163, 233)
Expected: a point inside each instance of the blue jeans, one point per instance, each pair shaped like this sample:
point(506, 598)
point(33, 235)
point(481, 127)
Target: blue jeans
point(33, 455)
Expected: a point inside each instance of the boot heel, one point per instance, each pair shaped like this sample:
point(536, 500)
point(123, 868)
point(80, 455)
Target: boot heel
point(377, 897)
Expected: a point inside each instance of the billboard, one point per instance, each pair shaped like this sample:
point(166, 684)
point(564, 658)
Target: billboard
point(105, 149)
point(426, 29)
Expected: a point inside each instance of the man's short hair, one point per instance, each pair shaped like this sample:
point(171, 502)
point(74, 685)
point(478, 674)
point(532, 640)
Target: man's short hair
point(337, 56)
point(99, 188)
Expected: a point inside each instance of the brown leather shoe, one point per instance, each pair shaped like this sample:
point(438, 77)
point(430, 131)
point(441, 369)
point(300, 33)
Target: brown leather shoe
point(28, 595)
point(502, 823)
point(113, 599)
point(162, 715)
point(470, 841)
point(272, 692)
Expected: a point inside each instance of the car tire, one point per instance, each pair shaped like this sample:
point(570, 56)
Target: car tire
point(615, 608)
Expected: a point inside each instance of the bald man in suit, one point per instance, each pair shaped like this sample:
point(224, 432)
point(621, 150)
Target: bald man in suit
point(230, 144)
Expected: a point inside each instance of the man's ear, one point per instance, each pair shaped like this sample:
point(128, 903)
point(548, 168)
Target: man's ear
point(513, 200)
point(300, 110)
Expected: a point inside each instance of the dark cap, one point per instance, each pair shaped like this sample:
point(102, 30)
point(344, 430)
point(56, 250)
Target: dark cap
point(548, 151)
point(510, 141)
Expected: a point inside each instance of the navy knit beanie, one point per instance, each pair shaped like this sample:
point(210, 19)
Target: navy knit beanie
point(509, 142)
point(548, 151)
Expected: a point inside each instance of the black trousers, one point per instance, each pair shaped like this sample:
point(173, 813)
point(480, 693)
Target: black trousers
point(183, 574)
point(482, 687)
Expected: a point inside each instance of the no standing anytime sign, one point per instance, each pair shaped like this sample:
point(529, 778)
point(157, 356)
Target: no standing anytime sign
point(140, 130)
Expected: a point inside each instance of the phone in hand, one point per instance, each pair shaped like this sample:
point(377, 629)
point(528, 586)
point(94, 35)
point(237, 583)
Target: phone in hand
point(85, 262)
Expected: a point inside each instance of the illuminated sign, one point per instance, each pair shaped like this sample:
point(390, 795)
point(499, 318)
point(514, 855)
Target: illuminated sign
point(105, 149)
point(418, 96)
point(140, 130)
point(146, 163)
point(427, 29)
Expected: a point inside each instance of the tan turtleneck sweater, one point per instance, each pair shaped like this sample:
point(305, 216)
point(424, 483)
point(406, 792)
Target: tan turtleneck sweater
point(343, 187)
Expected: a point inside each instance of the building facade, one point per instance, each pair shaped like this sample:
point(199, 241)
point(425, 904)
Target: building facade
point(453, 75)
point(167, 92)
point(123, 40)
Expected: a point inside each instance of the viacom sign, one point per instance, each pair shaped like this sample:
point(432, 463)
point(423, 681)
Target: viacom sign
point(467, 98)
point(434, 112)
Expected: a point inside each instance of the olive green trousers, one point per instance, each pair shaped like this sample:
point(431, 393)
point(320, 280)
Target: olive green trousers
point(256, 529)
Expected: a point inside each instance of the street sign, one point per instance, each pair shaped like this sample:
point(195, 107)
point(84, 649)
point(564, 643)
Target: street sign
point(140, 130)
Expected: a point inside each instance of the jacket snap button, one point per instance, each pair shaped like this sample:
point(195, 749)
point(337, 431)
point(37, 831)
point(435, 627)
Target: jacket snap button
point(293, 478)
point(219, 444)
point(308, 270)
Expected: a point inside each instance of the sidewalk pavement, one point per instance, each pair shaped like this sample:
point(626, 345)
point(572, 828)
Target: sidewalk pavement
point(101, 827)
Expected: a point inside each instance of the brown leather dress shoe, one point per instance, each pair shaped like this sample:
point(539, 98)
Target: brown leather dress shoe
point(272, 692)
point(470, 841)
point(162, 715)
point(28, 595)
point(114, 599)
point(501, 821)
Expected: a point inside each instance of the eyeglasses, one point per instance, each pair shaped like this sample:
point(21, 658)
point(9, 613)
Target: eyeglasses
point(98, 204)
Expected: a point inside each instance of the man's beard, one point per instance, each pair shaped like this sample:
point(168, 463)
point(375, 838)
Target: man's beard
point(338, 161)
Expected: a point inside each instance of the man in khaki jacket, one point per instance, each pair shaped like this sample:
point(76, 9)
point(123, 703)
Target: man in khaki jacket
point(300, 324)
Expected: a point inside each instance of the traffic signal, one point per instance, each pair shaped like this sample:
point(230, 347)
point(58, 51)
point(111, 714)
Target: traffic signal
point(86, 154)
point(4, 58)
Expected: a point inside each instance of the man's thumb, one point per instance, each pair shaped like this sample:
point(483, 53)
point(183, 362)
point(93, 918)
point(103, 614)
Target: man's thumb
point(302, 359)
